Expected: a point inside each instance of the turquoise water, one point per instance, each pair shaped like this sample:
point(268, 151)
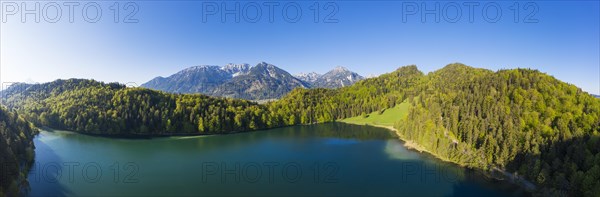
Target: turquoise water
point(333, 159)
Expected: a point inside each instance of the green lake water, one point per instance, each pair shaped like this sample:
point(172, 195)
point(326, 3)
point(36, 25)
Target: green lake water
point(333, 159)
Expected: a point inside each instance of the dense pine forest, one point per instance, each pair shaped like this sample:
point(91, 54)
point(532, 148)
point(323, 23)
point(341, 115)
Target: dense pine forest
point(16, 152)
point(93, 107)
point(522, 121)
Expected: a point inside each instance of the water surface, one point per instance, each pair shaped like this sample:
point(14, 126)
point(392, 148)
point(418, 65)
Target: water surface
point(333, 159)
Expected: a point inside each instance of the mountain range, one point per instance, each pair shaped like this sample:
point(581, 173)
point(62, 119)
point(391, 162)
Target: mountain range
point(520, 121)
point(261, 82)
point(336, 78)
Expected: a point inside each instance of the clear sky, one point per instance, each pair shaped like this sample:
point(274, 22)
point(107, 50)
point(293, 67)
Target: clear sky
point(561, 38)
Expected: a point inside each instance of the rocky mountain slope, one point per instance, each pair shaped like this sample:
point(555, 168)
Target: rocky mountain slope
point(263, 81)
point(336, 78)
point(260, 82)
point(197, 79)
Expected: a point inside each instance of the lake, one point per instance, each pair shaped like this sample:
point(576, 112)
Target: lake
point(333, 159)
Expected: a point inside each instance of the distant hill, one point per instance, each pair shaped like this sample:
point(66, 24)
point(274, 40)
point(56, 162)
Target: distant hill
point(12, 90)
point(261, 82)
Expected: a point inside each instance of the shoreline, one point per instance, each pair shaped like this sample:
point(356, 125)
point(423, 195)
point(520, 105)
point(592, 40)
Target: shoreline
point(136, 136)
point(527, 185)
point(409, 144)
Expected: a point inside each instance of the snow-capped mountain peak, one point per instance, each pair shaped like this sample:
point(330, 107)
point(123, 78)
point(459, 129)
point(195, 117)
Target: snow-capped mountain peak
point(236, 69)
point(262, 81)
point(338, 77)
point(308, 77)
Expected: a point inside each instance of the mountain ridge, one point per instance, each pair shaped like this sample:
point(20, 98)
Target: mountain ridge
point(337, 77)
point(263, 81)
point(240, 81)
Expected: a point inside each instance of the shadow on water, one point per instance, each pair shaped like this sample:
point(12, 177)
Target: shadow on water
point(483, 183)
point(46, 172)
point(449, 179)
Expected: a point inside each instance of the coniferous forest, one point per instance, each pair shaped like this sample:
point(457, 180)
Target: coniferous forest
point(16, 152)
point(521, 121)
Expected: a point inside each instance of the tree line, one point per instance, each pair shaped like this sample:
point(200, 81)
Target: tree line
point(520, 120)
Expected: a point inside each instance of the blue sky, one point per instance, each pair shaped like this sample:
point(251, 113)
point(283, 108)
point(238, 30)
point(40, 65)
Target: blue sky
point(560, 38)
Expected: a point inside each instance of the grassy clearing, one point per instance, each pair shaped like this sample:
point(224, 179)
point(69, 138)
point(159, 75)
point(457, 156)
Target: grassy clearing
point(387, 118)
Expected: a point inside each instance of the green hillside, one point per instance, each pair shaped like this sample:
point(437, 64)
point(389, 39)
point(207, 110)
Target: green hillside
point(521, 121)
point(16, 152)
point(386, 117)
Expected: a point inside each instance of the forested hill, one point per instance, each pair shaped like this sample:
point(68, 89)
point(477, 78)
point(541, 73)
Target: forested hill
point(521, 120)
point(16, 152)
point(93, 107)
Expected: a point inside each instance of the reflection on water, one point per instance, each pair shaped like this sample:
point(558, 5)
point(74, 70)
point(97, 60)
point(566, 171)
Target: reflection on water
point(396, 150)
point(326, 159)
